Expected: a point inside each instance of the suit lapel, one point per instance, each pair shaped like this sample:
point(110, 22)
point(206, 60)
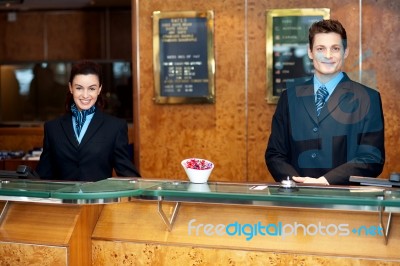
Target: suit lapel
point(96, 122)
point(66, 124)
point(306, 94)
point(336, 98)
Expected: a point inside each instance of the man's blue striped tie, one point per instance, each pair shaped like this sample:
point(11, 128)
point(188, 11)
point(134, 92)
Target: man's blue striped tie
point(322, 93)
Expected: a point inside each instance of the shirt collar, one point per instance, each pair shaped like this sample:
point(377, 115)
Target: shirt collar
point(330, 85)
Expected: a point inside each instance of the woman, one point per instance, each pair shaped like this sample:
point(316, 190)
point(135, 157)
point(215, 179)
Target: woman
point(85, 144)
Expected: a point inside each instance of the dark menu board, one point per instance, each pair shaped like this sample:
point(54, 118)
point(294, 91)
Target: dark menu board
point(289, 61)
point(183, 58)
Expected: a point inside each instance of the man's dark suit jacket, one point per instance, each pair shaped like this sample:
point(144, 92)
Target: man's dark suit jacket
point(103, 148)
point(346, 139)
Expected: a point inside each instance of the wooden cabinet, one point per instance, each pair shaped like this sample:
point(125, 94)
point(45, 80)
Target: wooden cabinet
point(22, 39)
point(196, 236)
point(12, 164)
point(74, 35)
point(40, 234)
point(66, 35)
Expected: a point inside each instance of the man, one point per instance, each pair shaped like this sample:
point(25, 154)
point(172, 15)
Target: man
point(326, 135)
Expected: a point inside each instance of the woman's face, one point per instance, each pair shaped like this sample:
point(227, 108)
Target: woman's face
point(85, 89)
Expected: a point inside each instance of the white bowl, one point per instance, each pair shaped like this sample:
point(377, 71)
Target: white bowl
point(199, 187)
point(196, 175)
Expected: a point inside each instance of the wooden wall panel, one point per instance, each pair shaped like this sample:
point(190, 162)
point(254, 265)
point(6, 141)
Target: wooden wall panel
point(380, 61)
point(45, 224)
point(235, 134)
point(27, 254)
point(120, 35)
point(47, 234)
point(66, 35)
point(171, 133)
point(75, 35)
point(195, 228)
point(21, 138)
point(22, 39)
point(121, 253)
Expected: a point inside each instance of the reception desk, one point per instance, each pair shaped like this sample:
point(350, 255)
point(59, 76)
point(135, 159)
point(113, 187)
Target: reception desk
point(133, 221)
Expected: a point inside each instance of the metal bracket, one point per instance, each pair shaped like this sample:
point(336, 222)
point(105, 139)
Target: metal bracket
point(386, 229)
point(168, 223)
point(4, 211)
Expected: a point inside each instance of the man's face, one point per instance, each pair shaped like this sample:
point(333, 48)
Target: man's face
point(328, 55)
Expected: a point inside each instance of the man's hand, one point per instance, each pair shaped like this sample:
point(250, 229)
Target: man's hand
point(309, 180)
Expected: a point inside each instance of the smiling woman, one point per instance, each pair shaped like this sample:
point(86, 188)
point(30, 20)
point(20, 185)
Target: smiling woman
point(85, 143)
point(31, 93)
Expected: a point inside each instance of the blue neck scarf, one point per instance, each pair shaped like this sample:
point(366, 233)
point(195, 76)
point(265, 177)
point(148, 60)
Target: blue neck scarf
point(80, 116)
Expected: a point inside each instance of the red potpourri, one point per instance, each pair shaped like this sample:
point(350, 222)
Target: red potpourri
point(198, 164)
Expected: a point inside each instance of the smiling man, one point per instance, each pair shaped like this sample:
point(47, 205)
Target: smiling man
point(330, 127)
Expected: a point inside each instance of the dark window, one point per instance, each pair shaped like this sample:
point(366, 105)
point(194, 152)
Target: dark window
point(35, 92)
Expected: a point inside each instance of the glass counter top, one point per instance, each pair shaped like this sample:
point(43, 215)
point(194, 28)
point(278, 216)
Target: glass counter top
point(30, 188)
point(117, 188)
point(371, 196)
point(103, 189)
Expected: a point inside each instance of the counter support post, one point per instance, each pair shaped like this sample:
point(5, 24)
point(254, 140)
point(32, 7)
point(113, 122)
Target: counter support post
point(4, 211)
point(386, 229)
point(169, 223)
